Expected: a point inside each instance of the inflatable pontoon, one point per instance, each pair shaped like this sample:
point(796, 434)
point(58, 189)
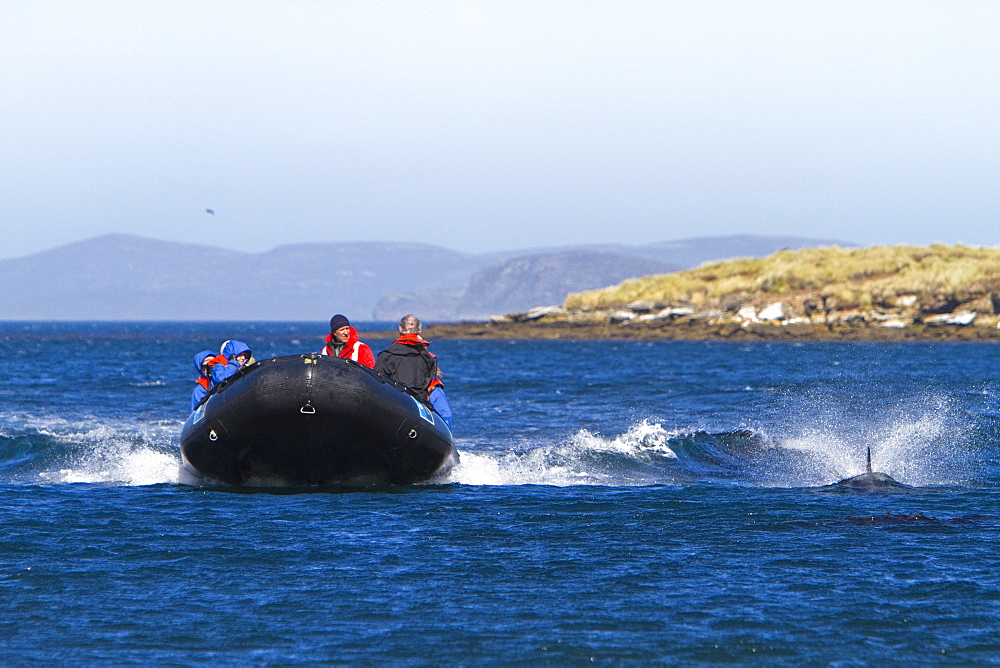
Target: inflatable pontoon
point(312, 420)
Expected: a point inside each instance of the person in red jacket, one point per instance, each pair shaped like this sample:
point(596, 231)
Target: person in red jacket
point(342, 341)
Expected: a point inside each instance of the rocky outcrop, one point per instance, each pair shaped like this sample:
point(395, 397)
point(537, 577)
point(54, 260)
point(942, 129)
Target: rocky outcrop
point(911, 317)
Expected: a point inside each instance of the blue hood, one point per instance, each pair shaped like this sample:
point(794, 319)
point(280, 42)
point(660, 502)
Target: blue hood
point(200, 358)
point(233, 348)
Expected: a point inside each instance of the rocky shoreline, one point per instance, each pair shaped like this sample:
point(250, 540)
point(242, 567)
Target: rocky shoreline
point(683, 323)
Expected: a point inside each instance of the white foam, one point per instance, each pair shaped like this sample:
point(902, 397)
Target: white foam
point(139, 467)
point(116, 455)
point(586, 459)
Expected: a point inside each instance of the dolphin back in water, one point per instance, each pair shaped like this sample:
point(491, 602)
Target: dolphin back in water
point(869, 481)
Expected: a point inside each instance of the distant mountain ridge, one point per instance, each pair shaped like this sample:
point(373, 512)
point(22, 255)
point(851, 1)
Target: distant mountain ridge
point(124, 277)
point(521, 283)
point(547, 276)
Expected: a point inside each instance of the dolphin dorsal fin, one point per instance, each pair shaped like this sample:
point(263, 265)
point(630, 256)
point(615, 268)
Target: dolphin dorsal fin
point(869, 459)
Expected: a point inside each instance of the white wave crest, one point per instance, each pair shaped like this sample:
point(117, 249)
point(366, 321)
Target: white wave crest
point(106, 455)
point(586, 459)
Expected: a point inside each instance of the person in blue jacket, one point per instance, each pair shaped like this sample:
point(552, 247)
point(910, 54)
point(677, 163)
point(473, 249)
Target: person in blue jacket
point(237, 356)
point(440, 401)
point(202, 362)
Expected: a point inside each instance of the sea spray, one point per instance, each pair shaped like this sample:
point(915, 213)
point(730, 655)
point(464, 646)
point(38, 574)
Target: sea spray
point(633, 458)
point(103, 454)
point(825, 439)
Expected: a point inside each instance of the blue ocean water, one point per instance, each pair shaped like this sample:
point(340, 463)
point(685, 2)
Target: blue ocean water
point(617, 502)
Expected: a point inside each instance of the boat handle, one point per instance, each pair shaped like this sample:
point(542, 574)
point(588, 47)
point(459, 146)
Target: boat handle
point(308, 409)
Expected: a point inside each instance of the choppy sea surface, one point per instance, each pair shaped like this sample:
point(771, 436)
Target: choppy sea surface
point(617, 502)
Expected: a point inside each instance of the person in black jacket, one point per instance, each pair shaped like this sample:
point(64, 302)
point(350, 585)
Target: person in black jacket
point(408, 361)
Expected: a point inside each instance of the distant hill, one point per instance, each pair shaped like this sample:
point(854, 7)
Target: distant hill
point(547, 277)
point(521, 283)
point(123, 277)
point(120, 277)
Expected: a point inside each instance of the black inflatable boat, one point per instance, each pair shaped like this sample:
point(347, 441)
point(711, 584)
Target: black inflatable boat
point(312, 420)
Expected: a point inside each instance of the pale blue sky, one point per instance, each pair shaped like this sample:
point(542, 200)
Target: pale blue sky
point(502, 125)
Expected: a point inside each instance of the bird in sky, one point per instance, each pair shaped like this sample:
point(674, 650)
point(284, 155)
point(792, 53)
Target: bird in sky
point(210, 211)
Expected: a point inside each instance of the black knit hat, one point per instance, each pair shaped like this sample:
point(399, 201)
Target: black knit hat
point(338, 321)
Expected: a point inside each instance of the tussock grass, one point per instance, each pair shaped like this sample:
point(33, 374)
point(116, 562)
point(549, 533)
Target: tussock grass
point(854, 276)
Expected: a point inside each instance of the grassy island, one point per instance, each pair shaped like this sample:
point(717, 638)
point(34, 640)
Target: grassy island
point(883, 292)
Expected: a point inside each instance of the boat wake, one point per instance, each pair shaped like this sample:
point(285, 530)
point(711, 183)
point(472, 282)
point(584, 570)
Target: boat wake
point(637, 457)
point(923, 443)
point(62, 453)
